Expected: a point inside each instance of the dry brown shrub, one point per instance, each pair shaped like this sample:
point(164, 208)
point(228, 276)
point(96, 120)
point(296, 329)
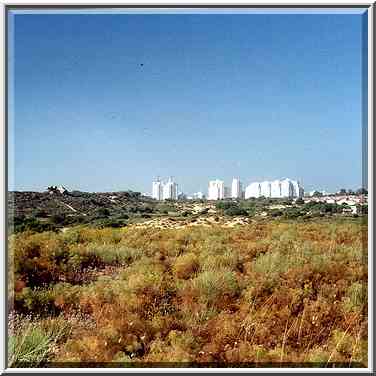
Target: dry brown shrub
point(266, 292)
point(186, 265)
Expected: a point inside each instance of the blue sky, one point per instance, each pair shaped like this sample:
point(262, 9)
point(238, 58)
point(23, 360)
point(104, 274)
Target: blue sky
point(107, 102)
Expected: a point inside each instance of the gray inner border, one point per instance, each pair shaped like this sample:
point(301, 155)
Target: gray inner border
point(8, 8)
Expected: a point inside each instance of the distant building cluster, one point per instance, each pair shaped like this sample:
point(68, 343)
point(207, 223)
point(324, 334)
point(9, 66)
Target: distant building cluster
point(285, 188)
point(165, 191)
point(275, 189)
point(217, 190)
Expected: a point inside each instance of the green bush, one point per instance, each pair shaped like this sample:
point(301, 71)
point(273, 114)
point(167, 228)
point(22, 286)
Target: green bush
point(38, 300)
point(229, 260)
point(102, 213)
point(224, 205)
point(234, 211)
point(32, 343)
point(211, 286)
point(356, 297)
point(186, 265)
point(114, 254)
point(58, 219)
point(292, 213)
point(275, 213)
point(31, 224)
point(109, 222)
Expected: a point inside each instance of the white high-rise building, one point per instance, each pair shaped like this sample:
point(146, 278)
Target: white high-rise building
point(275, 189)
point(157, 192)
point(265, 189)
point(298, 190)
point(253, 190)
point(216, 190)
point(236, 188)
point(287, 190)
point(164, 191)
point(170, 190)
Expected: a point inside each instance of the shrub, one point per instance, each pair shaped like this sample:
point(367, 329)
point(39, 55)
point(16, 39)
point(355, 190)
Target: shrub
point(356, 297)
point(268, 291)
point(109, 222)
point(224, 205)
point(291, 213)
point(58, 219)
point(234, 211)
point(102, 213)
point(32, 343)
point(41, 213)
point(144, 276)
point(37, 300)
point(114, 254)
point(186, 265)
point(31, 224)
point(276, 212)
point(211, 286)
point(228, 260)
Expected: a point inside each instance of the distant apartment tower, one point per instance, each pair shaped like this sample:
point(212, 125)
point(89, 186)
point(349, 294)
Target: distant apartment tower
point(236, 188)
point(297, 189)
point(157, 192)
point(253, 190)
point(170, 190)
point(276, 189)
point(164, 191)
point(265, 189)
point(216, 190)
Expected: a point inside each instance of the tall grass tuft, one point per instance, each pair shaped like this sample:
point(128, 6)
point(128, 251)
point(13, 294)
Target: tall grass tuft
point(32, 343)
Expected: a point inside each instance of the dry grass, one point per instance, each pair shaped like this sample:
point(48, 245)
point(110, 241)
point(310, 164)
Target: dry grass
point(265, 293)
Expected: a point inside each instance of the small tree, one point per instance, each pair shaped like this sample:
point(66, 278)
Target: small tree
point(291, 213)
point(233, 211)
point(224, 205)
point(317, 194)
point(361, 191)
point(276, 213)
point(58, 219)
point(102, 213)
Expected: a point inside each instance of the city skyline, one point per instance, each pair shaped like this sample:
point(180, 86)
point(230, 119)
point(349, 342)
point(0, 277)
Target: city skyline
point(103, 102)
point(218, 189)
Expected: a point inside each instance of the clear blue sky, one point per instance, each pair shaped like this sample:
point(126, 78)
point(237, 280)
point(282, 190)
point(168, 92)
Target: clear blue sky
point(260, 96)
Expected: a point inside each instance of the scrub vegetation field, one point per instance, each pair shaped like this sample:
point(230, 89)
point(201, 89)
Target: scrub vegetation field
point(274, 292)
